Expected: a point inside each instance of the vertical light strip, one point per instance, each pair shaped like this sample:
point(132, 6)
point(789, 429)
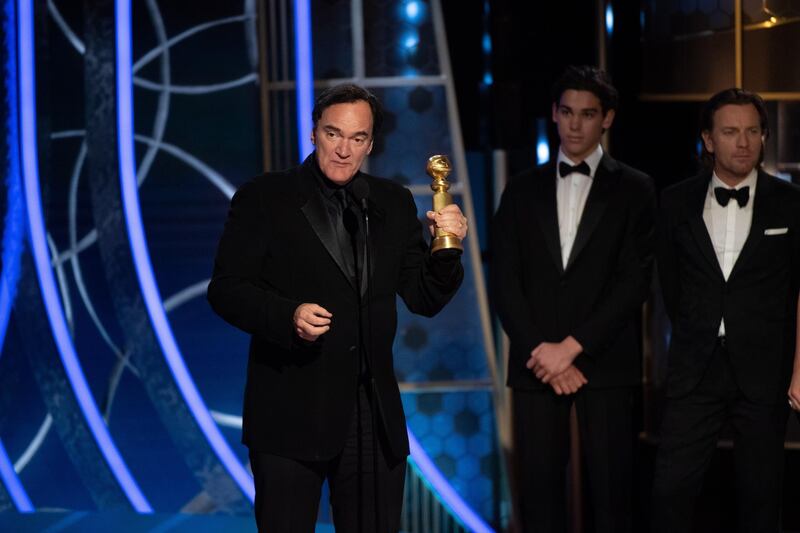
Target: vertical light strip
point(141, 256)
point(304, 75)
point(446, 492)
point(47, 284)
point(13, 233)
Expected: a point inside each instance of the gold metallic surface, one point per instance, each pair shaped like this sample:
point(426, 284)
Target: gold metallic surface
point(438, 169)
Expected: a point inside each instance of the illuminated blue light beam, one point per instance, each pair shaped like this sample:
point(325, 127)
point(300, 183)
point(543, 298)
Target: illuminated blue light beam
point(304, 75)
point(141, 256)
point(47, 284)
point(449, 496)
point(609, 19)
point(542, 142)
point(13, 234)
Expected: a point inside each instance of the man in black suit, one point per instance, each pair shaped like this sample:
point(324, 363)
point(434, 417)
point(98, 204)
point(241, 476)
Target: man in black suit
point(572, 267)
point(728, 261)
point(291, 270)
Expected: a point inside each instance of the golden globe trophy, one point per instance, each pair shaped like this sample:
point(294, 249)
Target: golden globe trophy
point(438, 168)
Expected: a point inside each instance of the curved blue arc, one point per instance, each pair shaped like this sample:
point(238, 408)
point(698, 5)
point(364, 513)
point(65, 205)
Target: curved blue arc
point(13, 235)
point(446, 492)
point(47, 284)
point(141, 256)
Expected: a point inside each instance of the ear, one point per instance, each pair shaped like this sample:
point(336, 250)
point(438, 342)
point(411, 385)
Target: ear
point(555, 112)
point(708, 142)
point(369, 149)
point(608, 119)
point(313, 137)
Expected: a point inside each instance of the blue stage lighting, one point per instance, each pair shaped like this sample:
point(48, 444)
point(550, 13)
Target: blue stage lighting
point(141, 257)
point(449, 496)
point(412, 10)
point(488, 79)
point(542, 142)
point(487, 43)
point(304, 75)
point(44, 272)
point(13, 235)
point(609, 20)
point(410, 41)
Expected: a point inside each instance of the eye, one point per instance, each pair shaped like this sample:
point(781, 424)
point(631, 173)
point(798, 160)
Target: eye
point(330, 134)
point(359, 140)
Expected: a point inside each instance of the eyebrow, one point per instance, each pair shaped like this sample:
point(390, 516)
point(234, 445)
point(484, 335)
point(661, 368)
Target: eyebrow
point(334, 129)
point(564, 106)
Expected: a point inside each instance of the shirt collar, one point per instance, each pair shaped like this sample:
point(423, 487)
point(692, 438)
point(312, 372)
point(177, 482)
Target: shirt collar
point(593, 159)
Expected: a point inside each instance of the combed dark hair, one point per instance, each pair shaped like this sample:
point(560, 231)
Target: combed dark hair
point(587, 78)
point(347, 93)
point(730, 96)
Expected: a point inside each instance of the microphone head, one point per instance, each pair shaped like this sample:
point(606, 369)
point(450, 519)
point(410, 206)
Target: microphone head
point(360, 190)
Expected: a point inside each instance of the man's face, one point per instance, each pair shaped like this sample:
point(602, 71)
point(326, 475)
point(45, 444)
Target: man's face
point(343, 137)
point(580, 122)
point(735, 140)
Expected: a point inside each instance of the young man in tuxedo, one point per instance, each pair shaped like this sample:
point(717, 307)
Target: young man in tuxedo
point(573, 251)
point(728, 259)
point(291, 271)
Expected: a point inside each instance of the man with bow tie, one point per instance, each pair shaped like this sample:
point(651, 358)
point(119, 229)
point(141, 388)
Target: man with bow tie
point(729, 263)
point(573, 251)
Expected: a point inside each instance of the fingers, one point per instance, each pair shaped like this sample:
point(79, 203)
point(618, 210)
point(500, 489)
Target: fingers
point(310, 333)
point(311, 321)
point(449, 219)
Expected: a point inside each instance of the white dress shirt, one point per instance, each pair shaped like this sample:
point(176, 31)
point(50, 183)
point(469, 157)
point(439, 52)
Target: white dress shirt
point(728, 226)
point(572, 191)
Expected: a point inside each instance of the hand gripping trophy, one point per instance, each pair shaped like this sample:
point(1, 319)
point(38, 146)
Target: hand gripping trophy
point(438, 168)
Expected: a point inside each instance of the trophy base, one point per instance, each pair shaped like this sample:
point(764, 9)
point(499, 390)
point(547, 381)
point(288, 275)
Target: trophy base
point(446, 242)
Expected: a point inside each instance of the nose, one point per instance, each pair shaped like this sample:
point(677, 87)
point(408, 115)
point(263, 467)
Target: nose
point(575, 123)
point(343, 148)
point(742, 140)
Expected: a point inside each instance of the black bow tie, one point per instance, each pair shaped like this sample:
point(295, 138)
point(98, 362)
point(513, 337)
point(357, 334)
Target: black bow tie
point(565, 169)
point(724, 195)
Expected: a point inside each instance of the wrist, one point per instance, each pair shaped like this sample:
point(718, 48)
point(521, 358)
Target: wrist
point(573, 346)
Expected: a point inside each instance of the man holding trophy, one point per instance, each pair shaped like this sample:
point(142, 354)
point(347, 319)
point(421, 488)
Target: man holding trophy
point(309, 264)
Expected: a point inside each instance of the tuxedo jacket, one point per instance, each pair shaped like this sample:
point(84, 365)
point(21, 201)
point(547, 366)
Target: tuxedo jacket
point(278, 250)
point(758, 301)
point(597, 297)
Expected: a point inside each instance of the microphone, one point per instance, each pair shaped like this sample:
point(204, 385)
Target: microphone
point(360, 191)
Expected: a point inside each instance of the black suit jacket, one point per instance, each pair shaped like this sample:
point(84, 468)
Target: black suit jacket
point(598, 297)
point(758, 302)
point(278, 250)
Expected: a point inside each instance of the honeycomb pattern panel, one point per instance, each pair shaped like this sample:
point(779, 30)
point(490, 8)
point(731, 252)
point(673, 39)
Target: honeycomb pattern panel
point(415, 128)
point(449, 346)
point(456, 429)
point(399, 38)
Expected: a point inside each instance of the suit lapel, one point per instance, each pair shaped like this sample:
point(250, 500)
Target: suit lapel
point(547, 213)
point(604, 181)
point(695, 205)
point(762, 204)
point(317, 215)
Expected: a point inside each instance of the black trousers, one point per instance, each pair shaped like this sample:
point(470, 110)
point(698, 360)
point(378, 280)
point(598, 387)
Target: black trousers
point(541, 432)
point(689, 435)
point(288, 490)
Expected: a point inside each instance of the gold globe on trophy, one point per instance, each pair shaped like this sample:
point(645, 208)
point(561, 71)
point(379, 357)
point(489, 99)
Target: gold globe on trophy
point(438, 168)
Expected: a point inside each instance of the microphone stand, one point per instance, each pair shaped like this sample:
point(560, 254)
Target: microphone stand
point(373, 393)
